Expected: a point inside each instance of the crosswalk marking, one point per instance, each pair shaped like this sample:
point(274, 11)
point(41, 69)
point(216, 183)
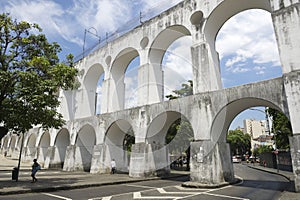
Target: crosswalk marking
point(162, 191)
point(141, 186)
point(138, 195)
point(220, 195)
point(56, 196)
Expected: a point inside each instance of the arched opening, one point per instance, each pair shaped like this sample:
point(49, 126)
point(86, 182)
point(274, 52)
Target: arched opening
point(12, 146)
point(61, 143)
point(247, 47)
point(85, 142)
point(13, 142)
point(31, 147)
point(99, 94)
point(5, 146)
point(119, 139)
point(131, 83)
point(221, 132)
point(5, 143)
point(43, 147)
point(268, 129)
point(169, 135)
point(20, 137)
point(170, 59)
point(124, 75)
point(177, 65)
point(92, 84)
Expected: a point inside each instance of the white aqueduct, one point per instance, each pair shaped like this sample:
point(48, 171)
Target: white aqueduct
point(89, 142)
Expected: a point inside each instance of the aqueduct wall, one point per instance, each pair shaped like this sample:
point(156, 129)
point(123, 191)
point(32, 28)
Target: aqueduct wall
point(89, 141)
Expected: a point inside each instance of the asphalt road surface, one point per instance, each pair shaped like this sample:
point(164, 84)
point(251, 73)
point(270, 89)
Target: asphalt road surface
point(256, 185)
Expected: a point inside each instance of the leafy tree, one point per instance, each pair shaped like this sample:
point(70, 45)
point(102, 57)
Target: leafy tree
point(186, 90)
point(282, 128)
point(129, 140)
point(261, 149)
point(30, 77)
point(239, 142)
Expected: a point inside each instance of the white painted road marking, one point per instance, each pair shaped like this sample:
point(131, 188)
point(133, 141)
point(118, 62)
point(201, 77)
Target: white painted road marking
point(137, 195)
point(56, 196)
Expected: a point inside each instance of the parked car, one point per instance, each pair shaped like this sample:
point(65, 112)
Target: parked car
point(236, 159)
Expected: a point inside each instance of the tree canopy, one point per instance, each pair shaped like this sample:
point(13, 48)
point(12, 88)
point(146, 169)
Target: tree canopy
point(186, 90)
point(281, 127)
point(30, 76)
point(240, 143)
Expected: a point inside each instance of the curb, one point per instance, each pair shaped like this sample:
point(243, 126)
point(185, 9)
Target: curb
point(271, 172)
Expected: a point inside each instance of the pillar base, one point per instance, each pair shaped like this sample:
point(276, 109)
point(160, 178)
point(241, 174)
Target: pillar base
point(70, 159)
point(142, 161)
point(295, 154)
point(97, 165)
point(211, 163)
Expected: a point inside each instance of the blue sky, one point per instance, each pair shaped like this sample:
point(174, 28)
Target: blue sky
point(246, 43)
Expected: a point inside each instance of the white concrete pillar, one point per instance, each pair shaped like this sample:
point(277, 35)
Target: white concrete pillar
point(210, 163)
point(206, 69)
point(98, 163)
point(295, 154)
point(286, 21)
point(292, 88)
point(70, 158)
point(150, 81)
point(142, 161)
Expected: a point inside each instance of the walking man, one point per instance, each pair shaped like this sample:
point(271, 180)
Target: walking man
point(35, 167)
point(113, 166)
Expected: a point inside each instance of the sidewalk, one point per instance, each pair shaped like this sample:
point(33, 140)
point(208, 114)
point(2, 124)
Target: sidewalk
point(287, 195)
point(51, 180)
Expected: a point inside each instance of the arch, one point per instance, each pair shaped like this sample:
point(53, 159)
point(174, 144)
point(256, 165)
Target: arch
point(114, 141)
point(118, 69)
point(156, 136)
point(156, 54)
point(253, 58)
point(164, 40)
point(225, 10)
point(43, 146)
point(31, 146)
point(61, 143)
point(5, 143)
point(13, 142)
point(19, 143)
point(90, 85)
point(85, 142)
point(226, 115)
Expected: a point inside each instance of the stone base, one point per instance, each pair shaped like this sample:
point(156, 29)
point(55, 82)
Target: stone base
point(211, 163)
point(191, 184)
point(295, 154)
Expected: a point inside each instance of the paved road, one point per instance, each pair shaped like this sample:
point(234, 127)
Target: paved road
point(256, 185)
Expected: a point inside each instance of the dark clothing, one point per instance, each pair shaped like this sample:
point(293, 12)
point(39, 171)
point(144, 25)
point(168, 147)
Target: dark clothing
point(35, 167)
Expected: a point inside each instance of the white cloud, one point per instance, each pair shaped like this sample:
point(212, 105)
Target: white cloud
point(70, 22)
point(177, 64)
point(260, 70)
point(247, 37)
point(45, 13)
